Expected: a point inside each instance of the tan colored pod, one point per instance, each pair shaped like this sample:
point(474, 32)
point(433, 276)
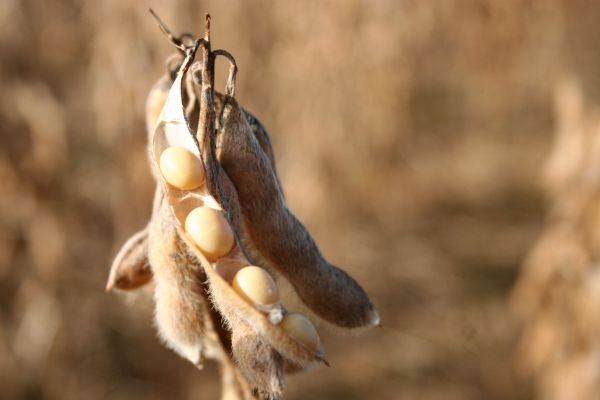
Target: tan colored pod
point(255, 285)
point(181, 168)
point(210, 231)
point(278, 237)
point(250, 328)
point(131, 268)
point(301, 329)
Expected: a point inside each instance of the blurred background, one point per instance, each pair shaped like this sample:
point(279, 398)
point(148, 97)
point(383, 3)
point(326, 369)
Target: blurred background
point(427, 145)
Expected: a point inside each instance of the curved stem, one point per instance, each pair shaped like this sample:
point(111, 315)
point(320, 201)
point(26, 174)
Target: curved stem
point(233, 69)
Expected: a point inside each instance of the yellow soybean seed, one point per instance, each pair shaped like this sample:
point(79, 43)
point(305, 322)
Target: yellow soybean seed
point(181, 168)
point(210, 231)
point(301, 329)
point(255, 285)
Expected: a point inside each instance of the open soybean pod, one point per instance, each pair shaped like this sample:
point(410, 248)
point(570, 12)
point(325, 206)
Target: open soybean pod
point(130, 269)
point(256, 339)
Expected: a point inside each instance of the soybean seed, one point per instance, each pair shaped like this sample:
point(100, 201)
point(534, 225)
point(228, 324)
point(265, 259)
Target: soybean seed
point(301, 329)
point(181, 168)
point(255, 285)
point(210, 231)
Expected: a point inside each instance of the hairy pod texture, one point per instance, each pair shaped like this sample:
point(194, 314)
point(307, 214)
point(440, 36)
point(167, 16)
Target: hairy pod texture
point(182, 291)
point(198, 313)
point(130, 268)
point(278, 235)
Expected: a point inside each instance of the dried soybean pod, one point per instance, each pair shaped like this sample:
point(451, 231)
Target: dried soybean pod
point(222, 294)
point(183, 316)
point(250, 328)
point(157, 97)
point(158, 94)
point(278, 235)
point(233, 307)
point(283, 340)
point(131, 269)
point(174, 128)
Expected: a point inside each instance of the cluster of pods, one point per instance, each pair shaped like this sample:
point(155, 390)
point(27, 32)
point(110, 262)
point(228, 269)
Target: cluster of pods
point(210, 232)
point(221, 235)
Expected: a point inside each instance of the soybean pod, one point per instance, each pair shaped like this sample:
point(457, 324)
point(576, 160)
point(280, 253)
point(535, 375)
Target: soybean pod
point(278, 235)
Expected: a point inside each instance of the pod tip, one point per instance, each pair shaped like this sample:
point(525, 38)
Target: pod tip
point(320, 356)
point(374, 319)
point(110, 284)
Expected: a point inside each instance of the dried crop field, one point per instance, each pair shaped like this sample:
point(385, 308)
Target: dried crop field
point(434, 149)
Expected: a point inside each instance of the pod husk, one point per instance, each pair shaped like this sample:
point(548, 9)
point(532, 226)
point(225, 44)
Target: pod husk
point(173, 128)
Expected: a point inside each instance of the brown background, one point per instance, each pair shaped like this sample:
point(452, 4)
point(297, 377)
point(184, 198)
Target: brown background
point(409, 137)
